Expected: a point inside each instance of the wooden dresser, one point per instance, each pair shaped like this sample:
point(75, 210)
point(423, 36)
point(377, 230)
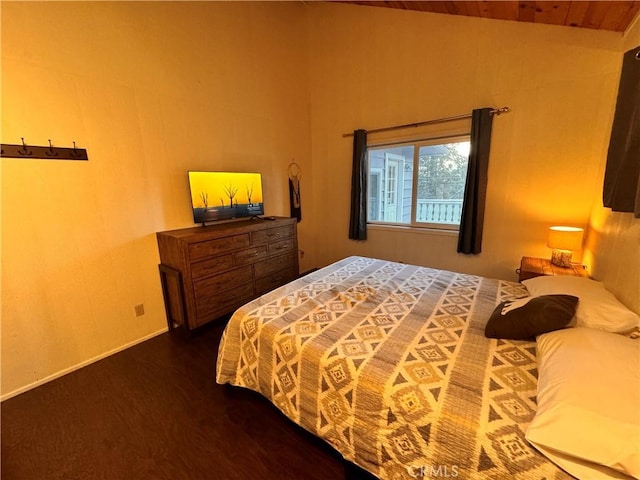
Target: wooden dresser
point(208, 272)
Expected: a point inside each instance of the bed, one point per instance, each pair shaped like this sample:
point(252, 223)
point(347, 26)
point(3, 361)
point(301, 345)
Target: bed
point(389, 364)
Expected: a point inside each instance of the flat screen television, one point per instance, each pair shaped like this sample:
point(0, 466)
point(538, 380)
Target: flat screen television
point(225, 195)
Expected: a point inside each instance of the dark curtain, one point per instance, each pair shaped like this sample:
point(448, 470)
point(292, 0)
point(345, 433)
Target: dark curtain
point(621, 191)
point(358, 220)
point(475, 191)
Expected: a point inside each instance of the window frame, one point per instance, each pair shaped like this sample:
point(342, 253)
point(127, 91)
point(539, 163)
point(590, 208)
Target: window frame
point(416, 144)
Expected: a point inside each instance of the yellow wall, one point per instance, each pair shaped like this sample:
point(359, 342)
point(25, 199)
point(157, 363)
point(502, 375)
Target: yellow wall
point(151, 89)
point(613, 240)
point(374, 67)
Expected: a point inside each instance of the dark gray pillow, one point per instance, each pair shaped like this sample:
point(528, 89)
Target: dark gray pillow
point(517, 320)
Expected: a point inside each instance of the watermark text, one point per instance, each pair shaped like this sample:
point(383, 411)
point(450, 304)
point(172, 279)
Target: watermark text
point(433, 471)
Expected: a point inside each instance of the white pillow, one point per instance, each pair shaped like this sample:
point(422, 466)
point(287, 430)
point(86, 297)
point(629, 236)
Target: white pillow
point(597, 308)
point(588, 416)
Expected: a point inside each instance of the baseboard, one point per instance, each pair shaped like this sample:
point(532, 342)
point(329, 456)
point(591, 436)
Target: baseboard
point(61, 373)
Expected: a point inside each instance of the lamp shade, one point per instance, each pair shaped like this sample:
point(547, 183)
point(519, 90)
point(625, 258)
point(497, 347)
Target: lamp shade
point(565, 238)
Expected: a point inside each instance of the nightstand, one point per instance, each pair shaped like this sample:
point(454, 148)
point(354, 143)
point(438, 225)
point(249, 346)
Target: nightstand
point(536, 267)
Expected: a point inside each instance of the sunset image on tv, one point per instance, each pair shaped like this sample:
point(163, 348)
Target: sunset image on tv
point(225, 195)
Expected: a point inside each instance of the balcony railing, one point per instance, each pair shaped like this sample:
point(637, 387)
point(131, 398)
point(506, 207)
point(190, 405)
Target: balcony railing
point(439, 211)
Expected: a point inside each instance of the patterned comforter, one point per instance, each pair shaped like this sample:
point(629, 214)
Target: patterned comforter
point(389, 364)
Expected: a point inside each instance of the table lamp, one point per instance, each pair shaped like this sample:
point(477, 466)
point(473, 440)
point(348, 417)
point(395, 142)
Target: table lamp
point(563, 241)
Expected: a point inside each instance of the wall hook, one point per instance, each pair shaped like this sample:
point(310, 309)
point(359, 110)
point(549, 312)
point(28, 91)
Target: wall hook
point(51, 152)
point(74, 152)
point(24, 150)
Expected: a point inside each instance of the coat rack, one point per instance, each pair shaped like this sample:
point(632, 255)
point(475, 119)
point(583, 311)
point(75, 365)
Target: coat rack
point(39, 152)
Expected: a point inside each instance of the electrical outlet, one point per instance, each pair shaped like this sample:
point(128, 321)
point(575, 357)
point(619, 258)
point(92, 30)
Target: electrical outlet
point(139, 310)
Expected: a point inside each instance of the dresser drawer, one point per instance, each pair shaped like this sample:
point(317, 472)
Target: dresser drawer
point(275, 280)
point(250, 255)
point(211, 286)
point(214, 305)
point(275, 264)
point(211, 266)
point(271, 234)
point(219, 245)
point(281, 246)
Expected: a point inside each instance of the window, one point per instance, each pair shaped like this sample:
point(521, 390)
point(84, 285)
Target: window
point(418, 184)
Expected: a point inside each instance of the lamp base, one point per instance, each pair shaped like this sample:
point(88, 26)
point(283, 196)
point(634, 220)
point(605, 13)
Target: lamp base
point(561, 258)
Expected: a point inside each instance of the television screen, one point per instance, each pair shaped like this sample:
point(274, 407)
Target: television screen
point(225, 195)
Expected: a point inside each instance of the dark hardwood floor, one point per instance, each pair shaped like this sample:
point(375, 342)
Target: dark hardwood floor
point(154, 411)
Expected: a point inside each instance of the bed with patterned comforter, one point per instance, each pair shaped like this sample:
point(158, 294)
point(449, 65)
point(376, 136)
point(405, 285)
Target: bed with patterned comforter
point(389, 364)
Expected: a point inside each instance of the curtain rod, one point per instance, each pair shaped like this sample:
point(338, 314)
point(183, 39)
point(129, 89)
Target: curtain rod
point(495, 111)
point(416, 140)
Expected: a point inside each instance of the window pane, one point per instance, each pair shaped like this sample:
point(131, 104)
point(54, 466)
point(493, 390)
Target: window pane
point(390, 184)
point(442, 173)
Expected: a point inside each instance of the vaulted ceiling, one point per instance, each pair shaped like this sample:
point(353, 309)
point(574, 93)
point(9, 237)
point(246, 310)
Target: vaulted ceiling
point(600, 15)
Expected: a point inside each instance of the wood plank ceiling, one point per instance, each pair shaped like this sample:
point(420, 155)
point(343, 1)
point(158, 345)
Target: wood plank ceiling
point(600, 15)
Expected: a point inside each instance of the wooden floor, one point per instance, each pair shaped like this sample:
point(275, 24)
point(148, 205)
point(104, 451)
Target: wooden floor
point(154, 411)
